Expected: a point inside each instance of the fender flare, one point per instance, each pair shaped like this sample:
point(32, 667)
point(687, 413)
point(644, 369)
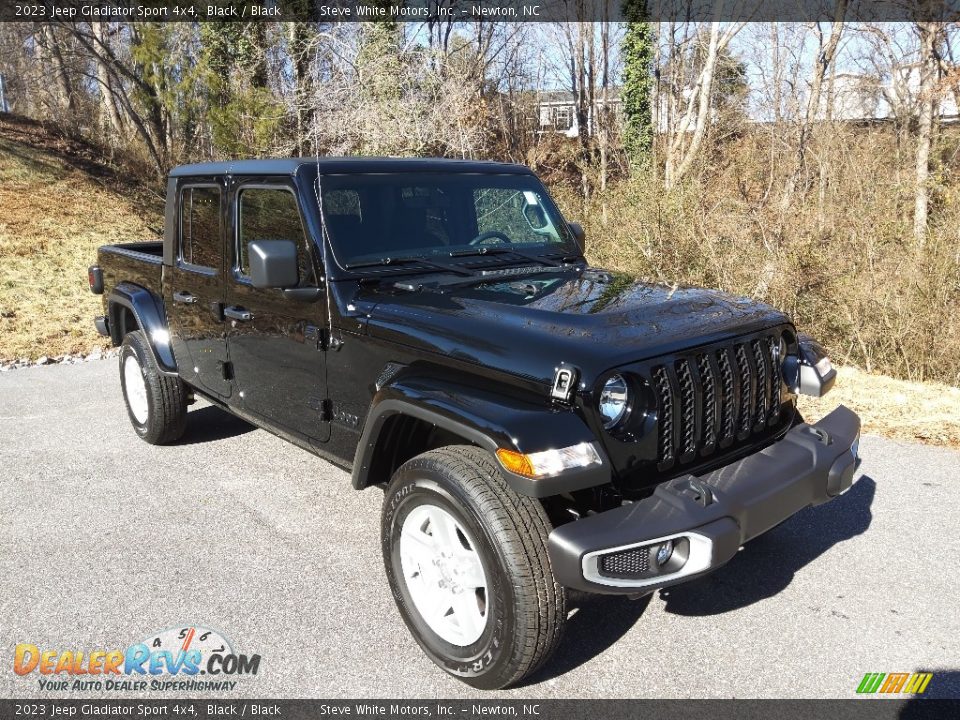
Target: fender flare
point(147, 308)
point(489, 420)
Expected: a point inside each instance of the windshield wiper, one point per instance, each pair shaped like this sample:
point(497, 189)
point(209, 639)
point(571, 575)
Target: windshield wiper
point(500, 251)
point(433, 264)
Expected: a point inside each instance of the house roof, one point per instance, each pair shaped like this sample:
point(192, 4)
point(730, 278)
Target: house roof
point(565, 96)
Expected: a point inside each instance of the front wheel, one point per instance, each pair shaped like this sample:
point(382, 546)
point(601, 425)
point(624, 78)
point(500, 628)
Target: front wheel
point(467, 562)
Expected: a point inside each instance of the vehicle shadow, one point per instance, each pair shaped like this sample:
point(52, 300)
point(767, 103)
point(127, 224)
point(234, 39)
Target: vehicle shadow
point(595, 623)
point(766, 566)
point(210, 423)
point(945, 685)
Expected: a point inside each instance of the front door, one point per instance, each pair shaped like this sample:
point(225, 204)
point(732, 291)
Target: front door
point(274, 340)
point(193, 288)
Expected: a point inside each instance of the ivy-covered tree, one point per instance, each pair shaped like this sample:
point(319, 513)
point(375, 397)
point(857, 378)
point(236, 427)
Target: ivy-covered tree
point(637, 51)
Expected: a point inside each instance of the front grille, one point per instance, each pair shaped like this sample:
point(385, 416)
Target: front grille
point(711, 400)
point(626, 564)
point(665, 405)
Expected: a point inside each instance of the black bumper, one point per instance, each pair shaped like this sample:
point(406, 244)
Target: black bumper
point(708, 518)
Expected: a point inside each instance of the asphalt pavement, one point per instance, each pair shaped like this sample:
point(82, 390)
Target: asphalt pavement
point(105, 541)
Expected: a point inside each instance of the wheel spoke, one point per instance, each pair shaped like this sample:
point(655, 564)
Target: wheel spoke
point(443, 529)
point(469, 570)
point(417, 546)
point(441, 607)
point(467, 613)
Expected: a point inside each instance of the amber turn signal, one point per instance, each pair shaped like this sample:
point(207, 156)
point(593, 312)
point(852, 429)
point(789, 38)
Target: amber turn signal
point(547, 463)
point(515, 462)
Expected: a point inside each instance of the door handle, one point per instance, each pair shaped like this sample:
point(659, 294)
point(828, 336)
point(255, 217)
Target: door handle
point(184, 297)
point(238, 313)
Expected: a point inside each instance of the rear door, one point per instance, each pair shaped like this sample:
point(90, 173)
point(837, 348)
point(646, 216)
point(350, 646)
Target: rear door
point(193, 286)
point(273, 340)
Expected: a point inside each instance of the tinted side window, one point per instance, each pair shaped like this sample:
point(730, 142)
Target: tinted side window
point(200, 227)
point(270, 214)
point(518, 213)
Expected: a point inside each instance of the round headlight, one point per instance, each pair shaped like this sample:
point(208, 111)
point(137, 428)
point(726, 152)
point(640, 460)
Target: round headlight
point(614, 401)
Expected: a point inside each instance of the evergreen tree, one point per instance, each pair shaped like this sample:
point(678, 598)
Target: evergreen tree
point(243, 115)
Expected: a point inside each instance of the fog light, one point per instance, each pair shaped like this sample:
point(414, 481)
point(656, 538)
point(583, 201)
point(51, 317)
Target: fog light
point(664, 552)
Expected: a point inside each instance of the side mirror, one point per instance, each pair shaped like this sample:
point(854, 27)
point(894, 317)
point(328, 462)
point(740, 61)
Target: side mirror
point(273, 263)
point(579, 235)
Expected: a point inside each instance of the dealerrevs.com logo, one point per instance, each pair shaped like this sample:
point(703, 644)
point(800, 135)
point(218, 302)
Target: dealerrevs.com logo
point(190, 658)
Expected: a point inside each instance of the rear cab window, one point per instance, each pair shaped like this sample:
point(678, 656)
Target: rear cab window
point(198, 246)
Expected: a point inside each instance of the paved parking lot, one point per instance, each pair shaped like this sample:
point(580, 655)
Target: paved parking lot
point(105, 540)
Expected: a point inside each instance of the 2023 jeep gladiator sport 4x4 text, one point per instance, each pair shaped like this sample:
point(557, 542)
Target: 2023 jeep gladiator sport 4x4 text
point(537, 425)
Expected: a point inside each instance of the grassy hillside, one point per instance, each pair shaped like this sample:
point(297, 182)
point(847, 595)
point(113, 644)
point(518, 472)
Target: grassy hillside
point(58, 202)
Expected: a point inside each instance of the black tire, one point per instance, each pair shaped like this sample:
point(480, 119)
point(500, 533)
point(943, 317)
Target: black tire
point(526, 607)
point(166, 396)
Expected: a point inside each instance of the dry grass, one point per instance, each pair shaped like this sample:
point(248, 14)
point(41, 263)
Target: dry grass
point(926, 412)
point(53, 216)
point(58, 204)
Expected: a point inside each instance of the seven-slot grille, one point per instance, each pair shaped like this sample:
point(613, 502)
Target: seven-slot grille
point(712, 399)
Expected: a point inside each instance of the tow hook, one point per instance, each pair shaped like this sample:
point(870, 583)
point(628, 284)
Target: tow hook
point(694, 489)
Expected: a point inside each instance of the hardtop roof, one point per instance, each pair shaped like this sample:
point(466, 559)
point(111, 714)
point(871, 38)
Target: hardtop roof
point(339, 165)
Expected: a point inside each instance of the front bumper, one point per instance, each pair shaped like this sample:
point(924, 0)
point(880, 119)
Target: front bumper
point(707, 519)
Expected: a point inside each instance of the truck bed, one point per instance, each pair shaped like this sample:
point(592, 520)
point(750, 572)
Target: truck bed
point(136, 262)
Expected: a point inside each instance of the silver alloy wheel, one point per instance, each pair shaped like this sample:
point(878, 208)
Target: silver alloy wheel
point(136, 388)
point(444, 574)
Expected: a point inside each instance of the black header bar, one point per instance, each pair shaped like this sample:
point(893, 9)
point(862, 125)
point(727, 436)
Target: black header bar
point(200, 709)
point(328, 11)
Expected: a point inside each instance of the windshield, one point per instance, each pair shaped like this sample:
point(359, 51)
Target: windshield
point(371, 218)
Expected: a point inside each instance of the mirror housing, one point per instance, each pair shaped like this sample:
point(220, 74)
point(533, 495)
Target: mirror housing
point(579, 235)
point(817, 374)
point(273, 263)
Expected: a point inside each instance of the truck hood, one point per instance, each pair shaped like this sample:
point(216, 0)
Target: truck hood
point(593, 320)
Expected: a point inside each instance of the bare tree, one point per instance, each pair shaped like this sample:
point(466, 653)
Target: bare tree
point(107, 86)
point(49, 43)
point(930, 35)
point(826, 52)
point(695, 101)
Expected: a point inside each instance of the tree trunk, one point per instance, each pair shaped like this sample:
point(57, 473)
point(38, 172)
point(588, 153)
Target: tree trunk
point(108, 100)
point(823, 63)
point(299, 37)
point(60, 80)
point(928, 97)
point(680, 158)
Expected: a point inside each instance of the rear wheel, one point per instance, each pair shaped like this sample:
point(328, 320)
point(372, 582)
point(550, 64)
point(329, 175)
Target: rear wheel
point(156, 403)
point(467, 562)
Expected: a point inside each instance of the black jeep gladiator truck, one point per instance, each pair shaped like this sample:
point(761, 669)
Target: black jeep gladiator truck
point(537, 425)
